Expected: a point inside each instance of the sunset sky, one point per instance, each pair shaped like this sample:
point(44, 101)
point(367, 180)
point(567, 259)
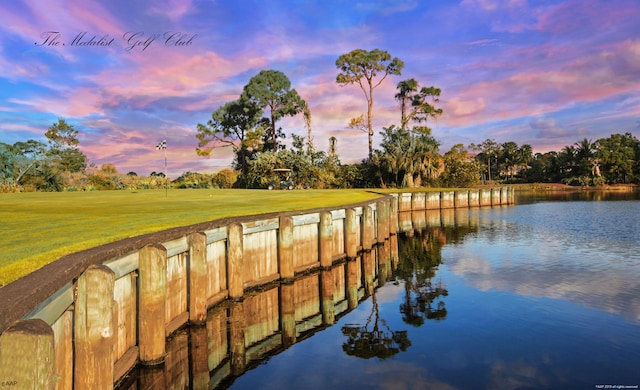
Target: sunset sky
point(544, 73)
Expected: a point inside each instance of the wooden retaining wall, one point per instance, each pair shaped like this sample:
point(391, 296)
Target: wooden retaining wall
point(119, 311)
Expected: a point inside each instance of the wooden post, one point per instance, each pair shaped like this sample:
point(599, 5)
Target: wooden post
point(328, 307)
point(418, 201)
point(352, 283)
point(504, 196)
point(382, 206)
point(234, 259)
point(285, 249)
point(495, 197)
point(27, 355)
point(433, 200)
point(151, 309)
point(461, 199)
point(367, 227)
point(94, 329)
point(288, 314)
point(404, 202)
point(474, 198)
point(351, 233)
point(237, 348)
point(198, 278)
point(447, 200)
point(485, 197)
point(325, 234)
point(393, 217)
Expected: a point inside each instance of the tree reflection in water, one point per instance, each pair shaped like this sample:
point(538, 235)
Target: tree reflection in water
point(419, 257)
point(381, 341)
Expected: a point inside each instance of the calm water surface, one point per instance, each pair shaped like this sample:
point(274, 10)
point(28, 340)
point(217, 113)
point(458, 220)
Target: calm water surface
point(544, 295)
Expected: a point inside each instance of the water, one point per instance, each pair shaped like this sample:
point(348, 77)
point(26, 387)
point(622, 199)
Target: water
point(543, 295)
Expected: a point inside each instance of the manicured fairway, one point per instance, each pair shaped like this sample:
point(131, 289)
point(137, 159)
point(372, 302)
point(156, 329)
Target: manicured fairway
point(37, 228)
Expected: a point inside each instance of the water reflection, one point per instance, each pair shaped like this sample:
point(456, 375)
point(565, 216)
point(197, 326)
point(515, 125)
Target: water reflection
point(541, 295)
point(523, 197)
point(582, 252)
point(240, 335)
point(423, 298)
point(374, 340)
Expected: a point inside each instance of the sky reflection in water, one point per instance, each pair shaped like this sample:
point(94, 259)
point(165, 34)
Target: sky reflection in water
point(541, 295)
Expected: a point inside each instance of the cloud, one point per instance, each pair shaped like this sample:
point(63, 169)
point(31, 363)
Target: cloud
point(459, 107)
point(547, 128)
point(481, 42)
point(173, 9)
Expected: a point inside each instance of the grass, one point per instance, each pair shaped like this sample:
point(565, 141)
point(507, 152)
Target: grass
point(38, 228)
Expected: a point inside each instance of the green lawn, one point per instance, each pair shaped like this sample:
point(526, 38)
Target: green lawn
point(38, 228)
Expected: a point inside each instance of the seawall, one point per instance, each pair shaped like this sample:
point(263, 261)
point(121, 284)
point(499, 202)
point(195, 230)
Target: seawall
point(87, 319)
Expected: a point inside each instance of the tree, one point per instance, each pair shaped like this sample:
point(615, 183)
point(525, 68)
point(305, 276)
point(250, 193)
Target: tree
point(307, 122)
point(545, 168)
point(18, 159)
point(363, 67)
point(459, 169)
point(488, 151)
point(272, 89)
point(63, 147)
point(415, 104)
point(585, 157)
point(619, 156)
point(237, 124)
point(508, 157)
point(409, 158)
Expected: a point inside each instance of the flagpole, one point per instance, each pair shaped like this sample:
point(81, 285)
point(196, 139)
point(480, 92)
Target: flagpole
point(163, 146)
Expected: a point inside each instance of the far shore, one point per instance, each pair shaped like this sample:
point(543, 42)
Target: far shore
point(565, 187)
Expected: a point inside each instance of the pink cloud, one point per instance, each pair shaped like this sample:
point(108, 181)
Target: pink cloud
point(73, 102)
point(87, 15)
point(572, 15)
point(601, 75)
point(173, 9)
point(178, 75)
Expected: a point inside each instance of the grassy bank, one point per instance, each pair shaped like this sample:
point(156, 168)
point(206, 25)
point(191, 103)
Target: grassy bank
point(37, 228)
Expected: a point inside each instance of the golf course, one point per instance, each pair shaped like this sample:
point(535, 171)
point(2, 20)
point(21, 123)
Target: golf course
point(40, 227)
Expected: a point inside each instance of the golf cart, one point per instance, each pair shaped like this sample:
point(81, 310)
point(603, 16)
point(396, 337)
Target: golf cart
point(283, 182)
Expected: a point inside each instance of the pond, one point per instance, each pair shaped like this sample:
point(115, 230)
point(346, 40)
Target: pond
point(545, 294)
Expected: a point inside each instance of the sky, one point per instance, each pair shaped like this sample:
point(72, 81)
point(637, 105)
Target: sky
point(537, 72)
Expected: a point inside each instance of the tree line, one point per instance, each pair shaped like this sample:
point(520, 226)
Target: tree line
point(408, 156)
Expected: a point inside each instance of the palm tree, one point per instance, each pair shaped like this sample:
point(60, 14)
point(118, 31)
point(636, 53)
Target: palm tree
point(586, 157)
point(406, 89)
